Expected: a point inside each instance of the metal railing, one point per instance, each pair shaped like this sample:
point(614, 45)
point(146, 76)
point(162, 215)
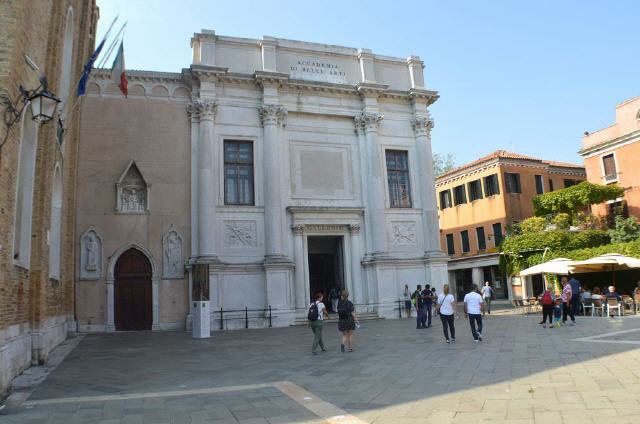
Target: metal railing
point(243, 314)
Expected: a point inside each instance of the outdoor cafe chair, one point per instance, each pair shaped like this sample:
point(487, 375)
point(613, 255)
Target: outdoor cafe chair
point(627, 304)
point(587, 304)
point(597, 306)
point(613, 304)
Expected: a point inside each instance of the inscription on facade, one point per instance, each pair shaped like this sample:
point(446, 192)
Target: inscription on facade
point(318, 70)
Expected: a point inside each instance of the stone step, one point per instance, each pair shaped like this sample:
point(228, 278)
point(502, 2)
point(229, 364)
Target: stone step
point(362, 316)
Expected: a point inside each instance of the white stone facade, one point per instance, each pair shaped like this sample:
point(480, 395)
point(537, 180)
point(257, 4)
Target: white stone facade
point(320, 121)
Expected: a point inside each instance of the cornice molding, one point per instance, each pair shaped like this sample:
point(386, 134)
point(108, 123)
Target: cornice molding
point(609, 144)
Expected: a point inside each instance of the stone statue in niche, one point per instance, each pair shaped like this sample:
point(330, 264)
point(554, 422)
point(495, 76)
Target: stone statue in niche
point(90, 254)
point(172, 254)
point(132, 191)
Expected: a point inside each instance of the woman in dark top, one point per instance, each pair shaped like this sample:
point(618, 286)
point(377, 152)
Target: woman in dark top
point(346, 320)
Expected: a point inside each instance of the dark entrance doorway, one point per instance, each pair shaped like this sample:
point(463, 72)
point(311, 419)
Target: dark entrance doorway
point(133, 302)
point(464, 281)
point(326, 265)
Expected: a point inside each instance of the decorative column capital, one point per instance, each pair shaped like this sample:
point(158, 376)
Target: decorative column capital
point(203, 109)
point(273, 115)
point(297, 229)
point(367, 121)
point(422, 126)
point(354, 229)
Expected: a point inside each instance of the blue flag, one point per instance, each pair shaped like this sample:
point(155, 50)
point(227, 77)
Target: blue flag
point(88, 67)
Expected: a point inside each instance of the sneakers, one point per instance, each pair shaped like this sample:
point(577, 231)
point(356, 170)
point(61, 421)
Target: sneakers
point(476, 340)
point(544, 325)
point(453, 340)
point(447, 341)
point(479, 337)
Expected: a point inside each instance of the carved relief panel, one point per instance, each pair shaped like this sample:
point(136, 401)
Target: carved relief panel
point(403, 233)
point(172, 254)
point(132, 191)
point(90, 255)
point(240, 234)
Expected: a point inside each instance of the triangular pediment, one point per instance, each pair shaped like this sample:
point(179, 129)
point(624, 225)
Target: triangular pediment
point(131, 176)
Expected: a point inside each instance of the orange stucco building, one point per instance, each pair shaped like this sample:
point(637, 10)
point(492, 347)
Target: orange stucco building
point(479, 201)
point(612, 155)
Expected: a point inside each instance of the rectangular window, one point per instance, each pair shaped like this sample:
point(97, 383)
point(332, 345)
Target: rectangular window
point(491, 186)
point(464, 237)
point(497, 233)
point(569, 183)
point(482, 242)
point(451, 250)
point(475, 190)
point(459, 195)
point(609, 165)
point(445, 199)
point(512, 182)
point(550, 184)
point(539, 184)
point(238, 172)
point(398, 179)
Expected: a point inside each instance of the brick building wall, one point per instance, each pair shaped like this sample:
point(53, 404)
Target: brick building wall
point(36, 310)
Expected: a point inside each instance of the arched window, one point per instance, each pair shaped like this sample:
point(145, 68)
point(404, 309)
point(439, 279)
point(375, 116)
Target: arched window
point(56, 224)
point(67, 63)
point(24, 190)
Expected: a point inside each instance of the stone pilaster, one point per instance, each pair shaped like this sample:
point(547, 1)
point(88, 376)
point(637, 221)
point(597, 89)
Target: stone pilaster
point(301, 296)
point(207, 178)
point(422, 126)
point(368, 123)
point(357, 282)
point(272, 117)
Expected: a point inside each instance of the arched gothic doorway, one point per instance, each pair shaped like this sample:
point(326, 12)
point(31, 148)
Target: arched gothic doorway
point(133, 292)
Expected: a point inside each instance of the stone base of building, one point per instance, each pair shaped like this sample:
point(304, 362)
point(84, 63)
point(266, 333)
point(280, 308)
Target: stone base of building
point(22, 346)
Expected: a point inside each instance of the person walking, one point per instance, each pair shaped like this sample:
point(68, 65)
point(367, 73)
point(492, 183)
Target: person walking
point(347, 320)
point(445, 306)
point(406, 294)
point(316, 315)
point(427, 301)
point(575, 296)
point(547, 300)
point(566, 297)
point(487, 295)
point(473, 308)
point(416, 298)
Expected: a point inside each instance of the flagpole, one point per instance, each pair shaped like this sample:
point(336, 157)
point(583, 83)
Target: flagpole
point(106, 56)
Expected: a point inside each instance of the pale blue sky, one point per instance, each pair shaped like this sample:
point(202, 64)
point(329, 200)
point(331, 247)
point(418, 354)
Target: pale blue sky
point(524, 76)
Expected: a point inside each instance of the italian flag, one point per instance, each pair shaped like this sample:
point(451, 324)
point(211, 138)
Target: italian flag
point(117, 71)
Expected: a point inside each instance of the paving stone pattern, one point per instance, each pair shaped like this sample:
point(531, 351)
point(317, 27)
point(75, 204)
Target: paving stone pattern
point(521, 373)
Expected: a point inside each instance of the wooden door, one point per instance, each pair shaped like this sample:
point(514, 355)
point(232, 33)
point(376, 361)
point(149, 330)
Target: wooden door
point(133, 301)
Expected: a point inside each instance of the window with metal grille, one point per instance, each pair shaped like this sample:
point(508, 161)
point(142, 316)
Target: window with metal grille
point(475, 190)
point(238, 172)
point(491, 186)
point(464, 237)
point(459, 195)
point(512, 182)
point(398, 179)
point(451, 250)
point(539, 184)
point(445, 199)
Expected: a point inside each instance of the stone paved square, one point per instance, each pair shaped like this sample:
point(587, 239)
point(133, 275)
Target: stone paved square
point(521, 373)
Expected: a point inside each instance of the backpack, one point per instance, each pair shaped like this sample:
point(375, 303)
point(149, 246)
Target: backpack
point(313, 312)
point(546, 298)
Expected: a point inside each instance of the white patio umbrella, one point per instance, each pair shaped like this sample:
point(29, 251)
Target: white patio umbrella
point(609, 262)
point(559, 266)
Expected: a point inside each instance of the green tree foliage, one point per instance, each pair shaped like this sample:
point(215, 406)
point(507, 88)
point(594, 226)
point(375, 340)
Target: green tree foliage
point(572, 199)
point(626, 229)
point(443, 163)
point(562, 221)
point(535, 224)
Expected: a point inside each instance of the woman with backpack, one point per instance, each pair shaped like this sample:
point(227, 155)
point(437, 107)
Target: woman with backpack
point(347, 320)
point(547, 300)
point(316, 315)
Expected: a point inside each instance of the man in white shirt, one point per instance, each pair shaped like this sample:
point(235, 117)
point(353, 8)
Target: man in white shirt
point(473, 306)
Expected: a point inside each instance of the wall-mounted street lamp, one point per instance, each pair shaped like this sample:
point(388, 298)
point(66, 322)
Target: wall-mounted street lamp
point(43, 105)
